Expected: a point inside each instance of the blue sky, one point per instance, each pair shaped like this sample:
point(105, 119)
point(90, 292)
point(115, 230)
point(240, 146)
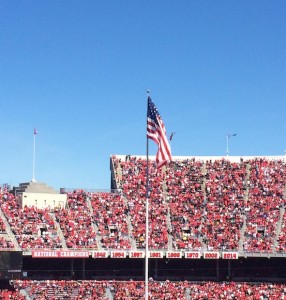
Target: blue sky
point(78, 71)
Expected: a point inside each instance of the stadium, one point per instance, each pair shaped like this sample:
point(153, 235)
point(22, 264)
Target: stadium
point(216, 231)
point(200, 218)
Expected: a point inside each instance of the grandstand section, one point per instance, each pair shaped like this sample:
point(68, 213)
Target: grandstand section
point(208, 203)
point(214, 223)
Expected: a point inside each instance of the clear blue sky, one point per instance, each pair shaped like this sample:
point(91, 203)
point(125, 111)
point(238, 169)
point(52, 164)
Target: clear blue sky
point(78, 71)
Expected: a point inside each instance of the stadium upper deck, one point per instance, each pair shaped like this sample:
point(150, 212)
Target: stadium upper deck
point(208, 203)
point(198, 206)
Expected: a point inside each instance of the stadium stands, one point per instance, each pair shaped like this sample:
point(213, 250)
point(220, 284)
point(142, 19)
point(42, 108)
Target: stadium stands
point(184, 186)
point(131, 290)
point(227, 208)
point(133, 185)
point(201, 205)
point(33, 228)
point(110, 216)
point(211, 204)
point(265, 204)
point(76, 222)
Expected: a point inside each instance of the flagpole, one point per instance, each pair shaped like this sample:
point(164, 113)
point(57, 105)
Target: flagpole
point(155, 131)
point(34, 155)
point(147, 218)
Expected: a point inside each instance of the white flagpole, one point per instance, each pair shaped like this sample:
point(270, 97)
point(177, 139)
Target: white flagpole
point(147, 220)
point(34, 155)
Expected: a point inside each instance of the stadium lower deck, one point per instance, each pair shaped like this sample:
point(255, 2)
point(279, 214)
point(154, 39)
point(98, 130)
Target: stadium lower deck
point(134, 290)
point(217, 230)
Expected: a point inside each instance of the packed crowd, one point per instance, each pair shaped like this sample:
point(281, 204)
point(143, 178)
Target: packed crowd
point(193, 205)
point(186, 201)
point(6, 294)
point(76, 222)
point(133, 185)
point(5, 240)
point(61, 289)
point(33, 228)
point(281, 247)
point(134, 290)
point(222, 220)
point(110, 216)
point(210, 204)
point(266, 197)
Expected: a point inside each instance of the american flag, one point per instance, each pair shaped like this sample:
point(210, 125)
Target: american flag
point(35, 131)
point(156, 131)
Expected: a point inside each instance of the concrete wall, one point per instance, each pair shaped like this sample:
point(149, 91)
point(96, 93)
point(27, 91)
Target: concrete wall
point(43, 200)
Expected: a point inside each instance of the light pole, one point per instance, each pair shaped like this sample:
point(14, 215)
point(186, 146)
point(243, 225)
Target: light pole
point(228, 136)
point(34, 154)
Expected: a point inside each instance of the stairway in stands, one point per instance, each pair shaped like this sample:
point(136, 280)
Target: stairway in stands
point(278, 229)
point(9, 231)
point(203, 186)
point(129, 225)
point(98, 237)
point(279, 224)
point(59, 231)
point(118, 183)
point(245, 198)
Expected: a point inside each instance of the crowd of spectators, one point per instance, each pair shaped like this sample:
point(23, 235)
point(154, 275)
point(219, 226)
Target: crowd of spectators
point(266, 196)
point(237, 290)
point(214, 205)
point(134, 290)
point(6, 294)
point(6, 243)
point(110, 215)
point(195, 205)
point(132, 182)
point(76, 222)
point(157, 290)
point(281, 247)
point(223, 219)
point(33, 228)
point(211, 204)
point(184, 181)
point(61, 289)
point(5, 239)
